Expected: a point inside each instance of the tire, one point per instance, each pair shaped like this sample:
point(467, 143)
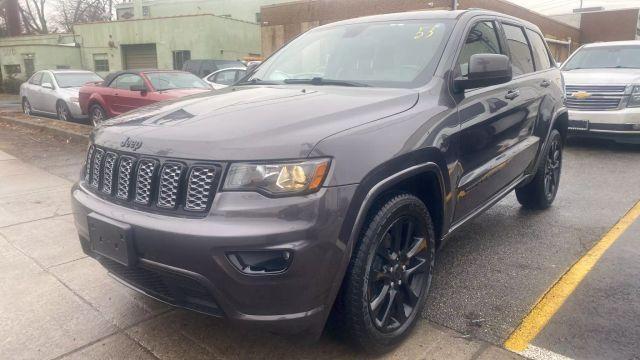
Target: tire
point(97, 114)
point(26, 107)
point(376, 275)
point(62, 110)
point(540, 193)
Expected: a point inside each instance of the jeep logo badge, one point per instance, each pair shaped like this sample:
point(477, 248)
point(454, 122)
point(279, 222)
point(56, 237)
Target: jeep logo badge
point(131, 144)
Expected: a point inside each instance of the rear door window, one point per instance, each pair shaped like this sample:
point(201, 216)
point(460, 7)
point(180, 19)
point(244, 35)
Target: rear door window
point(226, 77)
point(46, 79)
point(482, 39)
point(521, 57)
point(125, 81)
point(36, 79)
point(540, 54)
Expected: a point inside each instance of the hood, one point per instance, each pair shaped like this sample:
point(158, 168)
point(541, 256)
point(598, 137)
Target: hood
point(602, 77)
point(252, 123)
point(182, 92)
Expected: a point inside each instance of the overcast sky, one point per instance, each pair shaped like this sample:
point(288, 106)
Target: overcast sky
point(549, 7)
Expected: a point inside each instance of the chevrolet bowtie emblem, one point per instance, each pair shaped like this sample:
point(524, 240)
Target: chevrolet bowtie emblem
point(581, 95)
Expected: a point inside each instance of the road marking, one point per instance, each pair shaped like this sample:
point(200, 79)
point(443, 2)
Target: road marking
point(536, 353)
point(553, 299)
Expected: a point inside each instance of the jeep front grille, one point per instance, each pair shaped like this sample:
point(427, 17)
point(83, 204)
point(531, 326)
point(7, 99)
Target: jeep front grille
point(153, 184)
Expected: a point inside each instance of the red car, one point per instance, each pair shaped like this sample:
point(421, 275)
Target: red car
point(130, 89)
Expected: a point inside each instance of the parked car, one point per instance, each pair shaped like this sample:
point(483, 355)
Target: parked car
point(327, 179)
point(222, 78)
point(202, 68)
point(55, 92)
point(603, 91)
point(127, 90)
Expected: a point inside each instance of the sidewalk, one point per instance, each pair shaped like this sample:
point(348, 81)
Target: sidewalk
point(57, 303)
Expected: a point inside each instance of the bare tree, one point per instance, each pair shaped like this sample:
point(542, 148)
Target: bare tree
point(33, 16)
point(71, 12)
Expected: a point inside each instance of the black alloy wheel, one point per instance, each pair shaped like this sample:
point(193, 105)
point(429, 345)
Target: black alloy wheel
point(97, 115)
point(553, 165)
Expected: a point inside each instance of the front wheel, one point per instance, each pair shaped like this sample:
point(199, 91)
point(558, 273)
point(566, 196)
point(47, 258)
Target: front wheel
point(389, 275)
point(541, 191)
point(97, 114)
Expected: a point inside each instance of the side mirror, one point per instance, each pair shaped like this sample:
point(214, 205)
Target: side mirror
point(47, 86)
point(140, 88)
point(485, 70)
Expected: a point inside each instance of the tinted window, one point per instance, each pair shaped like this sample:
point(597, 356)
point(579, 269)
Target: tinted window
point(125, 81)
point(599, 57)
point(521, 58)
point(482, 39)
point(400, 53)
point(36, 79)
point(46, 78)
point(225, 77)
point(540, 54)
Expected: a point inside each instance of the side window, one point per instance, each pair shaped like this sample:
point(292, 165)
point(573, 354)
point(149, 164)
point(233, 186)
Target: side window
point(46, 78)
point(36, 79)
point(240, 74)
point(521, 58)
point(125, 81)
point(540, 54)
point(482, 39)
point(227, 77)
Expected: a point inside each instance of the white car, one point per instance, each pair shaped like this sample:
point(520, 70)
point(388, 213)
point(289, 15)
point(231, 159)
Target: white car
point(602, 83)
point(224, 77)
point(55, 92)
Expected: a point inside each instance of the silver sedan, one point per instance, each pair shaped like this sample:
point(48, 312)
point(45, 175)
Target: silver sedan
point(55, 92)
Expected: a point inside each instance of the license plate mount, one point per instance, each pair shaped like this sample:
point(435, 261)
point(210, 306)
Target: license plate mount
point(111, 239)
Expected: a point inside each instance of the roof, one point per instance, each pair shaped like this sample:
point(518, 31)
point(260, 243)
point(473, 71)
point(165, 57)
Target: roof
point(427, 15)
point(613, 43)
point(67, 71)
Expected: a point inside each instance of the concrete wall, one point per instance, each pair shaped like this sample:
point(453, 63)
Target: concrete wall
point(237, 9)
point(47, 52)
point(206, 36)
point(284, 21)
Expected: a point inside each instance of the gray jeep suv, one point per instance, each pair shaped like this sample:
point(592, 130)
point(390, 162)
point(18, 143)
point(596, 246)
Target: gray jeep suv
point(324, 182)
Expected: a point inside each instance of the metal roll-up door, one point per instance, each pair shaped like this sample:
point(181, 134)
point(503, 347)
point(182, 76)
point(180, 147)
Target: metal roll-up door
point(141, 56)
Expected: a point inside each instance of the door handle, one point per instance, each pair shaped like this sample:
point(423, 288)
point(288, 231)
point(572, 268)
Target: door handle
point(512, 94)
point(545, 83)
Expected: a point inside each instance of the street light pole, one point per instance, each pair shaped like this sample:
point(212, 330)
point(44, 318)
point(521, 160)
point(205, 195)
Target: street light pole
point(454, 6)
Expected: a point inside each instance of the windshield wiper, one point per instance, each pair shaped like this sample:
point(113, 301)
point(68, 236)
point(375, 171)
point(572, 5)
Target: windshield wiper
point(256, 81)
point(321, 81)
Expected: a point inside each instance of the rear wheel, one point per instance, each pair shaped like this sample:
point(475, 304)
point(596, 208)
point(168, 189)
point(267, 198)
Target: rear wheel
point(97, 114)
point(541, 191)
point(26, 107)
point(389, 275)
point(63, 111)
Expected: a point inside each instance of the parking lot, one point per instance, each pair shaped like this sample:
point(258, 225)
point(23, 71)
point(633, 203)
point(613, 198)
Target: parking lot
point(57, 303)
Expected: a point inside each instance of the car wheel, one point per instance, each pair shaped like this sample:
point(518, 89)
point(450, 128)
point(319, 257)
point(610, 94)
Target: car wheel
point(26, 107)
point(389, 275)
point(97, 115)
point(541, 191)
point(63, 111)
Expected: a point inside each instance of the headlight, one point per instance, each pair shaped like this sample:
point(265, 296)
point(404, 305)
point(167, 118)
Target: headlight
point(74, 99)
point(278, 179)
point(634, 100)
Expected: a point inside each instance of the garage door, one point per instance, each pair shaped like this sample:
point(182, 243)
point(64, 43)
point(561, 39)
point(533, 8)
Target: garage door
point(141, 56)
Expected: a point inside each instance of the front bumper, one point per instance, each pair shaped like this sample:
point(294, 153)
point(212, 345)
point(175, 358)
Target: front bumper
point(619, 125)
point(184, 262)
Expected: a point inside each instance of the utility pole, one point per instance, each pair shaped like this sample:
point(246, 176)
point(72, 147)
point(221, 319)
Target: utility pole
point(454, 5)
point(581, 3)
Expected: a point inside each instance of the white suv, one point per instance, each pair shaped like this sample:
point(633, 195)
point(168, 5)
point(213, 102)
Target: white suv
point(603, 90)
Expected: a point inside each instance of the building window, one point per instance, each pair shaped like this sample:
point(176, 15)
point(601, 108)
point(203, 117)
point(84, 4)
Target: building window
point(100, 63)
point(12, 69)
point(145, 11)
point(63, 67)
point(179, 58)
point(258, 18)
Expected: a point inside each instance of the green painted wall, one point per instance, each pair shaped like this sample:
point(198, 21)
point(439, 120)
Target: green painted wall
point(47, 52)
point(206, 36)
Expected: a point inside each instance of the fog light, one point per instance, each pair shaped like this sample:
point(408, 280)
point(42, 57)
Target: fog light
point(261, 262)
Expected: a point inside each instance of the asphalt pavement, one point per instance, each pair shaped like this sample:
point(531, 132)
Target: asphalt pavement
point(488, 276)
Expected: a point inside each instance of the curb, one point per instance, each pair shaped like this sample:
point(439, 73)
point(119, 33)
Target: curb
point(77, 132)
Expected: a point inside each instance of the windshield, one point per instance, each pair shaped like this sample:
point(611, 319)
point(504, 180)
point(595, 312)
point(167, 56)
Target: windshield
point(67, 80)
point(384, 54)
point(175, 80)
point(603, 57)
